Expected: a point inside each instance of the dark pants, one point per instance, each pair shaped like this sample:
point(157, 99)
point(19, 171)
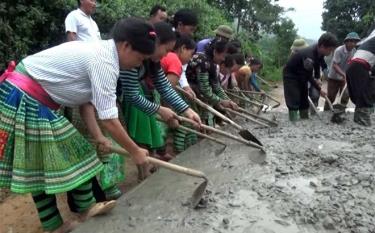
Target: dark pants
point(314, 95)
point(296, 94)
point(361, 87)
point(334, 87)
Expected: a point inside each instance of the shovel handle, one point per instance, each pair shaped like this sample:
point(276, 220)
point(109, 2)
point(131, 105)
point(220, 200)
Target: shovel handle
point(343, 90)
point(228, 135)
point(329, 103)
point(202, 135)
point(166, 165)
point(257, 116)
point(244, 99)
point(212, 110)
point(314, 108)
point(246, 117)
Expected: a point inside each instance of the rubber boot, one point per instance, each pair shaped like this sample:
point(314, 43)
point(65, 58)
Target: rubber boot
point(293, 115)
point(304, 114)
point(362, 116)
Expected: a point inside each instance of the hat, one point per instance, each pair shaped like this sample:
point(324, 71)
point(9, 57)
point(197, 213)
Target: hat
point(224, 31)
point(298, 44)
point(352, 36)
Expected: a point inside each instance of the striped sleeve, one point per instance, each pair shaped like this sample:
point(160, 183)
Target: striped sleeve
point(219, 91)
point(206, 90)
point(129, 81)
point(168, 94)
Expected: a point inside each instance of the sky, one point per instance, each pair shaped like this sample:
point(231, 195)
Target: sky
point(307, 16)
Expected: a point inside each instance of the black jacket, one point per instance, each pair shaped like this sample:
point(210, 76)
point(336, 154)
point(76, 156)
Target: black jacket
point(305, 64)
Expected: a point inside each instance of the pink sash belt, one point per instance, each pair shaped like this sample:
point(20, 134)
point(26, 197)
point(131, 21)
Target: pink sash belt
point(29, 86)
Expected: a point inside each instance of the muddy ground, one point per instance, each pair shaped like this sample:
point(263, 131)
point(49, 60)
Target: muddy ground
point(317, 177)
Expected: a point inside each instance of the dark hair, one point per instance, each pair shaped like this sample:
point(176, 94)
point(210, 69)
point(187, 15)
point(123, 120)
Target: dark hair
point(328, 40)
point(186, 17)
point(79, 3)
point(255, 61)
point(239, 58)
point(219, 46)
point(234, 46)
point(156, 8)
point(228, 61)
point(184, 40)
point(164, 32)
point(137, 32)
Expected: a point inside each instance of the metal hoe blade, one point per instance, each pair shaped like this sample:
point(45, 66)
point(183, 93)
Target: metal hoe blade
point(198, 194)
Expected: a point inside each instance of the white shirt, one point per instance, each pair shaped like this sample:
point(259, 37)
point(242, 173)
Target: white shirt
point(83, 25)
point(75, 73)
point(183, 80)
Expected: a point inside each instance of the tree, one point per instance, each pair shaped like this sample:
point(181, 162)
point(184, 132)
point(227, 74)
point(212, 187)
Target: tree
point(255, 16)
point(343, 16)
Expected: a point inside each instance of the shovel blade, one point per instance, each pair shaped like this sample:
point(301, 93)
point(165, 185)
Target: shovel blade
point(249, 136)
point(198, 194)
point(220, 150)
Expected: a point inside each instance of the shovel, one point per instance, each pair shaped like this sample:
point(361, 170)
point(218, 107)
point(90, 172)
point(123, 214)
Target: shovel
point(198, 192)
point(278, 103)
point(267, 83)
point(314, 108)
point(246, 117)
point(228, 135)
point(246, 134)
point(338, 109)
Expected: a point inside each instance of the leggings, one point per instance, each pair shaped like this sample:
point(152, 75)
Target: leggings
point(48, 212)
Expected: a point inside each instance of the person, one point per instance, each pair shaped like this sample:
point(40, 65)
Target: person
point(158, 13)
point(185, 22)
point(255, 66)
point(228, 69)
point(360, 76)
point(223, 32)
point(337, 72)
point(172, 65)
point(203, 77)
point(299, 71)
point(139, 110)
point(79, 24)
point(297, 45)
point(53, 157)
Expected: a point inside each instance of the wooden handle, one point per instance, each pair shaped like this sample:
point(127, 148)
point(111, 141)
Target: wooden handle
point(244, 99)
point(202, 135)
point(167, 165)
point(257, 116)
point(246, 117)
point(239, 139)
point(343, 90)
point(314, 108)
point(212, 110)
point(329, 103)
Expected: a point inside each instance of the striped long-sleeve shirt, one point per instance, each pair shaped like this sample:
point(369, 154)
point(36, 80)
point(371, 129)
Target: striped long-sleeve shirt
point(129, 81)
point(203, 75)
point(78, 72)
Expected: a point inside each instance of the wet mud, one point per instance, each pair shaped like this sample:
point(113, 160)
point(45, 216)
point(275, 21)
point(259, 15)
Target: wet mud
point(317, 177)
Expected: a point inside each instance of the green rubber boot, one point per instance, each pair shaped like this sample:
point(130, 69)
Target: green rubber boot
point(293, 115)
point(362, 116)
point(304, 114)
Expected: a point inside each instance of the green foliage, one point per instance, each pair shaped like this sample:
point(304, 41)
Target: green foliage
point(344, 16)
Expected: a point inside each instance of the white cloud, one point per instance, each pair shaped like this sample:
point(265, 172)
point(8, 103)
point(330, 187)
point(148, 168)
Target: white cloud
point(307, 16)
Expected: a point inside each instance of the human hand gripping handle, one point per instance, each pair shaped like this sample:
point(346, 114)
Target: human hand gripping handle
point(168, 116)
point(190, 114)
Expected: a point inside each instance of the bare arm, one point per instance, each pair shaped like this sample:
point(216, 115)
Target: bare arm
point(71, 36)
point(338, 69)
point(173, 79)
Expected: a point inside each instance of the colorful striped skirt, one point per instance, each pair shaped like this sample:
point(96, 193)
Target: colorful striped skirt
point(40, 150)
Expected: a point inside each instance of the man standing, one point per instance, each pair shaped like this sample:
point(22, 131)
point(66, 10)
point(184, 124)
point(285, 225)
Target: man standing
point(79, 25)
point(337, 76)
point(299, 71)
point(361, 81)
point(223, 32)
point(158, 14)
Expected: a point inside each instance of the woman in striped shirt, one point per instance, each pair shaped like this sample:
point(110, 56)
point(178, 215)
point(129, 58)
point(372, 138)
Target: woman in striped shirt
point(40, 151)
point(172, 65)
point(139, 109)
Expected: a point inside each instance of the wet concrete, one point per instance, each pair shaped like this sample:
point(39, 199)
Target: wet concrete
point(318, 177)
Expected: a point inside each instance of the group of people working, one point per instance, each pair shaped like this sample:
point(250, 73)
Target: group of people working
point(133, 74)
point(351, 74)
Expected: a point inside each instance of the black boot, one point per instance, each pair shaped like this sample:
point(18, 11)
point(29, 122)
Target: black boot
point(362, 116)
